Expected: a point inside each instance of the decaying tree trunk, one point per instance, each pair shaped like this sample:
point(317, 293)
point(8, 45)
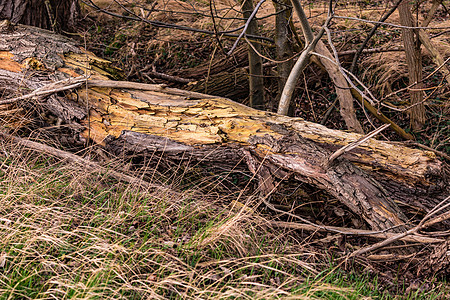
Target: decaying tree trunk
point(142, 119)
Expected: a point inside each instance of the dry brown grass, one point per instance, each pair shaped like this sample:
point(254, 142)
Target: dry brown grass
point(67, 233)
point(385, 68)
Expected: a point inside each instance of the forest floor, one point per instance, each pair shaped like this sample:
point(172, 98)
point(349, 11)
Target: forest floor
point(70, 233)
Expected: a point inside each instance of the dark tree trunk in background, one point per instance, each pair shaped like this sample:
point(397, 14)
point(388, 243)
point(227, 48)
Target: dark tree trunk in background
point(256, 79)
point(48, 14)
point(414, 61)
point(284, 46)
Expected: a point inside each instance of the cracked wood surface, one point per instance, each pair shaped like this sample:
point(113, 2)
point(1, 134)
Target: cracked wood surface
point(144, 118)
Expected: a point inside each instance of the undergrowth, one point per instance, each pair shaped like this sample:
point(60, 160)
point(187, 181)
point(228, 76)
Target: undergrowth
point(66, 233)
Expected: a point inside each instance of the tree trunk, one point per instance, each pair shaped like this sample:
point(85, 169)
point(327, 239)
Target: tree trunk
point(414, 61)
point(48, 14)
point(143, 119)
point(284, 44)
point(342, 87)
point(256, 75)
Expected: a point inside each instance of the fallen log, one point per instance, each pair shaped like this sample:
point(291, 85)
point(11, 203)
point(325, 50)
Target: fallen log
point(141, 119)
point(219, 84)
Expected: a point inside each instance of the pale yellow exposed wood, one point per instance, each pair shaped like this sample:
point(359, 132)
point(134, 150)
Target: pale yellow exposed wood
point(207, 121)
point(196, 119)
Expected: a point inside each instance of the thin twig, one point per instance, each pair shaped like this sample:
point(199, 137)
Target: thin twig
point(390, 24)
point(372, 50)
point(160, 24)
point(354, 144)
point(344, 73)
point(364, 95)
point(409, 87)
point(371, 33)
point(51, 88)
point(354, 232)
point(275, 62)
point(410, 232)
point(216, 35)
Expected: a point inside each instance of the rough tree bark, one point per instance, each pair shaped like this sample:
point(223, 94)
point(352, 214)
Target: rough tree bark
point(256, 78)
point(284, 44)
point(142, 119)
point(414, 61)
point(47, 14)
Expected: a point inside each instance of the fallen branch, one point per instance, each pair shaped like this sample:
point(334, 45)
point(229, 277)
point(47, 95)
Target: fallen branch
point(171, 78)
point(356, 232)
point(82, 162)
point(423, 224)
point(51, 88)
point(380, 116)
